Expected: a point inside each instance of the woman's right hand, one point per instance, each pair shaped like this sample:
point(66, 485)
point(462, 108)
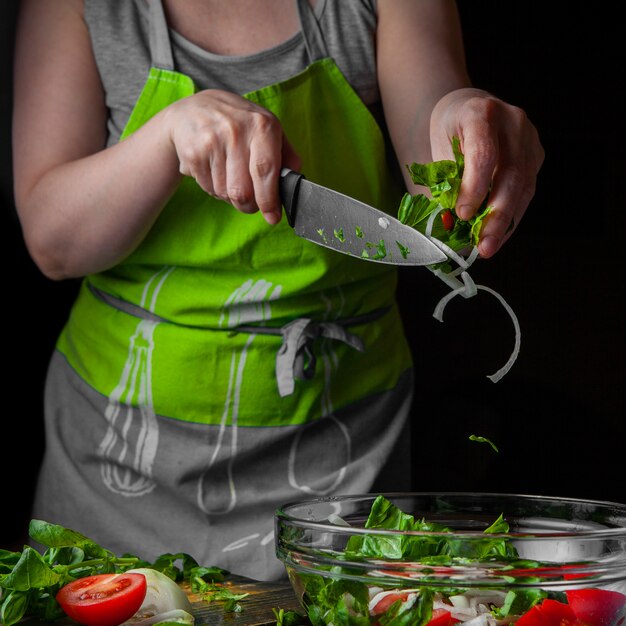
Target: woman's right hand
point(84, 207)
point(233, 148)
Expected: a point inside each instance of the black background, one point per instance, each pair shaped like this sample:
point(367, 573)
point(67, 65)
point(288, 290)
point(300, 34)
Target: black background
point(559, 416)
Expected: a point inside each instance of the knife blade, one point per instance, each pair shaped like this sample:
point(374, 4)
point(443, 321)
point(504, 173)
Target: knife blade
point(336, 221)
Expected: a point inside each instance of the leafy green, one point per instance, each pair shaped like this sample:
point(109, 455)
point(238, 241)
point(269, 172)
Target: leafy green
point(385, 515)
point(289, 618)
point(338, 232)
point(404, 251)
point(443, 179)
point(30, 580)
point(483, 440)
point(335, 600)
point(216, 592)
point(337, 597)
point(381, 250)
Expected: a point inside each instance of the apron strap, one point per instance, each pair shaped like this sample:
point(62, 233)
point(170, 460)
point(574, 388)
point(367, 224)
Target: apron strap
point(160, 47)
point(295, 358)
point(311, 32)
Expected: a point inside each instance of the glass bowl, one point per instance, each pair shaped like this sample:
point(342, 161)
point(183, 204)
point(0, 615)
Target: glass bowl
point(446, 558)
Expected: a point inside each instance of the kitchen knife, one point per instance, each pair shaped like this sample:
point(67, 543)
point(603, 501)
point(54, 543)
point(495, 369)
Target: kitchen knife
point(336, 221)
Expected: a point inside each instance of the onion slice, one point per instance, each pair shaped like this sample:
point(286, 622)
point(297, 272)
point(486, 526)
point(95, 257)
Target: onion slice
point(467, 288)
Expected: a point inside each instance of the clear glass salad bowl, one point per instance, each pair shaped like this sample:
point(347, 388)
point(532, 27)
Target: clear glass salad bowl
point(439, 559)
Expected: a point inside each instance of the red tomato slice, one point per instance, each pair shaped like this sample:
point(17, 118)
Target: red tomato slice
point(103, 599)
point(535, 617)
point(448, 219)
point(557, 612)
point(441, 617)
point(386, 601)
point(597, 607)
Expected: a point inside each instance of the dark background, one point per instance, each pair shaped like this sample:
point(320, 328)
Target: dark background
point(558, 417)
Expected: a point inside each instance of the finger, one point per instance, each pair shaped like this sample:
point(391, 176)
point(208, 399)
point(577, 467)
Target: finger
point(265, 163)
point(240, 189)
point(217, 164)
point(513, 188)
point(480, 149)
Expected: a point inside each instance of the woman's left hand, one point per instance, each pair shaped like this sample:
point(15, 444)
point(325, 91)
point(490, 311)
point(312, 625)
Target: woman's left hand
point(503, 156)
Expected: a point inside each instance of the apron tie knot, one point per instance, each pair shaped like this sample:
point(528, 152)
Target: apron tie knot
point(296, 359)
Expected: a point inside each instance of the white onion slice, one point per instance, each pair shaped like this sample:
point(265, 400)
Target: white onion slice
point(163, 596)
point(175, 615)
point(335, 519)
point(518, 336)
point(469, 289)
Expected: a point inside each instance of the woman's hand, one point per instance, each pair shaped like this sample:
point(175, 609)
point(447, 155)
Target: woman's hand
point(233, 148)
point(503, 156)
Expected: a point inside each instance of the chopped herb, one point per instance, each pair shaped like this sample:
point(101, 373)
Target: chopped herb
point(338, 232)
point(483, 440)
point(359, 232)
point(289, 618)
point(216, 592)
point(381, 250)
point(404, 251)
point(320, 232)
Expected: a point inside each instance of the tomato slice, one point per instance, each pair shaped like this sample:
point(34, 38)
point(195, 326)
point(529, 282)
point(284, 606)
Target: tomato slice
point(441, 617)
point(386, 601)
point(535, 617)
point(103, 599)
point(557, 612)
point(448, 219)
point(597, 607)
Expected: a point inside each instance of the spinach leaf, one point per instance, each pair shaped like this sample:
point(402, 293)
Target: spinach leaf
point(443, 179)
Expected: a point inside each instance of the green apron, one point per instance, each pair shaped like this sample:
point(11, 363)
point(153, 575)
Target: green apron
point(183, 341)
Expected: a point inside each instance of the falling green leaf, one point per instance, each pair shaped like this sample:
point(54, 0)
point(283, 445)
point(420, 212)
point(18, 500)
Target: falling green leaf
point(483, 440)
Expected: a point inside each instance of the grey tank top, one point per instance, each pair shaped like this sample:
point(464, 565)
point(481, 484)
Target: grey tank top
point(120, 36)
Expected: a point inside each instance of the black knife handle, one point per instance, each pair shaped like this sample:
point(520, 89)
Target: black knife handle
point(289, 184)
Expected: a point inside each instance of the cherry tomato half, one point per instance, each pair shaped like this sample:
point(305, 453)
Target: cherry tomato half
point(441, 617)
point(597, 607)
point(103, 599)
point(448, 219)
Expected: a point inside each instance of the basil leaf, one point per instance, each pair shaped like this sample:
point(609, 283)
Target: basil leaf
point(30, 572)
point(14, 607)
point(56, 536)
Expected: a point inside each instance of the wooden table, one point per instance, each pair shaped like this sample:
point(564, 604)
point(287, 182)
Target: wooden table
point(256, 607)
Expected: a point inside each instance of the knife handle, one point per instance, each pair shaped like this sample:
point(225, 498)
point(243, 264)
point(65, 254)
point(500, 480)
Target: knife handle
point(289, 183)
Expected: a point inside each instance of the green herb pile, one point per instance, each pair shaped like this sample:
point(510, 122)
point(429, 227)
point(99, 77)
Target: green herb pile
point(29, 580)
point(443, 179)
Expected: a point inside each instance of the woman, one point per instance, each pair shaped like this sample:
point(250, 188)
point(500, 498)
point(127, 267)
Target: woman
point(149, 137)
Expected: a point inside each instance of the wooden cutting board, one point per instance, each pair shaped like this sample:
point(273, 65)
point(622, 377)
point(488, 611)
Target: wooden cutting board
point(256, 606)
